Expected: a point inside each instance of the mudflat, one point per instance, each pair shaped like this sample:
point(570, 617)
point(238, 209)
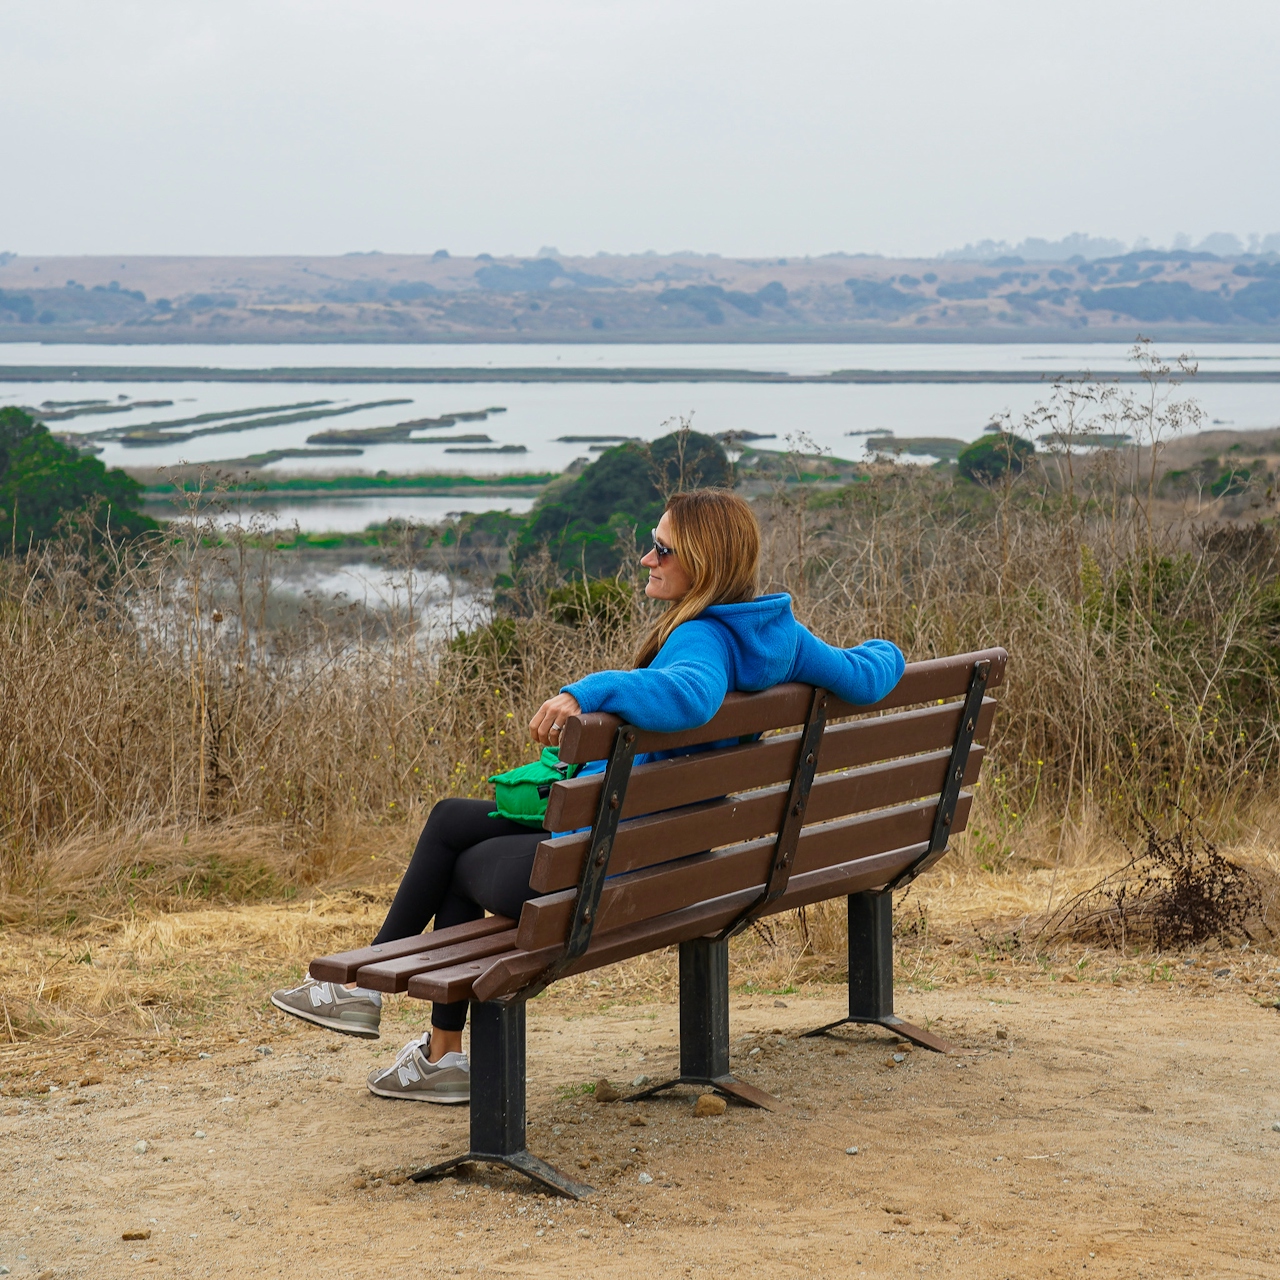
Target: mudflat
point(1096, 1128)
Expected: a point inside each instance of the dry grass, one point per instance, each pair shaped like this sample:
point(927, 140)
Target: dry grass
point(158, 724)
point(161, 739)
point(171, 972)
point(179, 869)
point(176, 981)
point(173, 741)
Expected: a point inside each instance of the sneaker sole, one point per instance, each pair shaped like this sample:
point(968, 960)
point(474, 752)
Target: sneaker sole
point(445, 1100)
point(330, 1024)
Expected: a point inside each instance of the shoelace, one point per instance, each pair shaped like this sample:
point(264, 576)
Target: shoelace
point(407, 1052)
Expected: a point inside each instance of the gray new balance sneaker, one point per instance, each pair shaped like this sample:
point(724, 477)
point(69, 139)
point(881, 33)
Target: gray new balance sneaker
point(412, 1077)
point(331, 1005)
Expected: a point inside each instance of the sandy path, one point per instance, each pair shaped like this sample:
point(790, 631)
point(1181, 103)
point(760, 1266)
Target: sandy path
point(1115, 1132)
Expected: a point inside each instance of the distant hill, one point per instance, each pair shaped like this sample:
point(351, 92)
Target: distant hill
point(676, 297)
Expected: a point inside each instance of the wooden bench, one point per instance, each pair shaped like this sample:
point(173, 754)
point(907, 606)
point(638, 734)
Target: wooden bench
point(689, 851)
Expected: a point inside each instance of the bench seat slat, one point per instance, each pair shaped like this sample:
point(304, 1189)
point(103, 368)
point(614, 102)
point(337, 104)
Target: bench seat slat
point(394, 975)
point(668, 784)
point(454, 983)
point(344, 966)
point(512, 971)
point(660, 837)
point(590, 736)
point(669, 886)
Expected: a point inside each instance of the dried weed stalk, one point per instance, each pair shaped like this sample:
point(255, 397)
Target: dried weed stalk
point(1179, 891)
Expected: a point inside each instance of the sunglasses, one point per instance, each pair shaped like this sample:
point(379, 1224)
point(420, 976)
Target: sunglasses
point(662, 551)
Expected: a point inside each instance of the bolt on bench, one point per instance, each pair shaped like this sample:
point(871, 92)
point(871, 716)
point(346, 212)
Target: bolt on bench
point(691, 850)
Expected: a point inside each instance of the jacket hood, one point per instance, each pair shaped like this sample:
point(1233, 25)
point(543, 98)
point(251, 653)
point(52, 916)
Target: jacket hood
point(762, 635)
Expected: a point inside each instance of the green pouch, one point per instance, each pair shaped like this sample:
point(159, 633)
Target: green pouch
point(522, 793)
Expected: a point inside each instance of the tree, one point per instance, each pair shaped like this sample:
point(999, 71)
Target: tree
point(42, 480)
point(585, 523)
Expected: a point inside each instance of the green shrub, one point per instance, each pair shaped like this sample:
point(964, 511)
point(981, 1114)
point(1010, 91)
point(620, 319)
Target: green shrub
point(606, 603)
point(496, 644)
point(589, 525)
point(43, 480)
point(995, 454)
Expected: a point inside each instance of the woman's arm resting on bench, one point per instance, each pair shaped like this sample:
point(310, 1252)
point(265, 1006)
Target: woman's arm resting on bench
point(681, 689)
point(703, 660)
point(861, 676)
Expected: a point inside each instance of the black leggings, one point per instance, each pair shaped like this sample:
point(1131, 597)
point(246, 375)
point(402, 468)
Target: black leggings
point(465, 863)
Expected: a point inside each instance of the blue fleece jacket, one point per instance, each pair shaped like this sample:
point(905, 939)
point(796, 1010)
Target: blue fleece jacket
point(742, 647)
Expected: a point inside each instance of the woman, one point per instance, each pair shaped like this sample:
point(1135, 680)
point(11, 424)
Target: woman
point(715, 636)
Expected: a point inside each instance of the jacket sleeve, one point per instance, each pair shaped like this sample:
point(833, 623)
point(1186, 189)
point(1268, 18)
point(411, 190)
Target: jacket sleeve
point(685, 691)
point(862, 675)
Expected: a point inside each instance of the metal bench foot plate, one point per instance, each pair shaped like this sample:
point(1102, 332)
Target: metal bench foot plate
point(537, 1171)
point(899, 1026)
point(729, 1086)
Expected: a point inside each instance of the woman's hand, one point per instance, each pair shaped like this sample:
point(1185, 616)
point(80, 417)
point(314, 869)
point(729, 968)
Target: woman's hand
point(546, 725)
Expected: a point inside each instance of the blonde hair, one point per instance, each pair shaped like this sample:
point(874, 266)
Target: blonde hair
point(716, 536)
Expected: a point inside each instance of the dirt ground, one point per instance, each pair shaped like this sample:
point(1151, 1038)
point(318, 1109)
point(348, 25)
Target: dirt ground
point(1098, 1128)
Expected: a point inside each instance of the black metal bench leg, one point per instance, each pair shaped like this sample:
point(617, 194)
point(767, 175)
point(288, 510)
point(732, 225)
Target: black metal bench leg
point(704, 1026)
point(871, 973)
point(497, 1102)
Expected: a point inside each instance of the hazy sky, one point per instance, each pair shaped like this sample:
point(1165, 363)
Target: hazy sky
point(804, 126)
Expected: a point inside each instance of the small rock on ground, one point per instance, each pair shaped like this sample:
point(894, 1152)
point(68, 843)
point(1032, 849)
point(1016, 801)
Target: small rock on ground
point(605, 1092)
point(709, 1105)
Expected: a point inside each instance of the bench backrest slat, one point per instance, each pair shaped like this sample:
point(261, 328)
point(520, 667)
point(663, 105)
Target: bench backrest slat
point(660, 837)
point(508, 974)
point(673, 885)
point(669, 784)
point(590, 736)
